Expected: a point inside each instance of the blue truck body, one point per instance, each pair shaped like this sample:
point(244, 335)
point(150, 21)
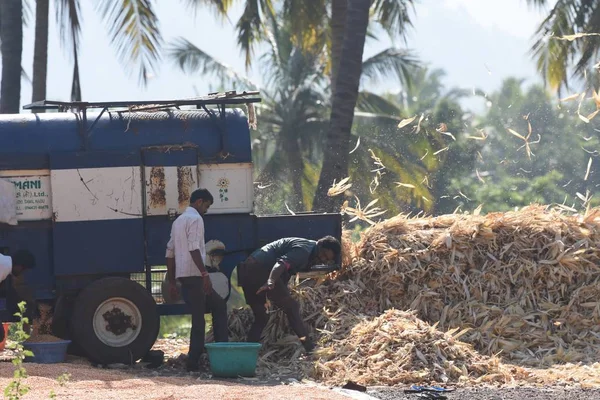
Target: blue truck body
point(76, 163)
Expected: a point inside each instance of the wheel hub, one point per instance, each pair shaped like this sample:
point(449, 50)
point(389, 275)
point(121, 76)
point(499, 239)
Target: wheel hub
point(117, 322)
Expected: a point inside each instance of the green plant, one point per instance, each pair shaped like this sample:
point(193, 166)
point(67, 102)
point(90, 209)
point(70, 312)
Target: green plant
point(16, 389)
point(62, 381)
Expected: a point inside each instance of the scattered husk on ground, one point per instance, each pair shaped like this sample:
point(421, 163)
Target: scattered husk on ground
point(398, 348)
point(525, 283)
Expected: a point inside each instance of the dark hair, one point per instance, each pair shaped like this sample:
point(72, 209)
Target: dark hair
point(23, 258)
point(201, 194)
point(331, 243)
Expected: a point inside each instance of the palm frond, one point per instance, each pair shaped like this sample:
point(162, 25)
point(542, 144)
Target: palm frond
point(537, 3)
point(192, 60)
point(68, 19)
point(25, 75)
point(76, 83)
point(250, 24)
point(133, 28)
point(27, 12)
point(308, 22)
point(221, 6)
point(392, 62)
point(393, 16)
point(373, 103)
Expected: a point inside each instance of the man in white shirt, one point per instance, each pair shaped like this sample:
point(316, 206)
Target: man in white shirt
point(186, 254)
point(15, 265)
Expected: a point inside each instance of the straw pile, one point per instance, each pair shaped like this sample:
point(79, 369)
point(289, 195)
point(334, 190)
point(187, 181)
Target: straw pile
point(524, 282)
point(397, 347)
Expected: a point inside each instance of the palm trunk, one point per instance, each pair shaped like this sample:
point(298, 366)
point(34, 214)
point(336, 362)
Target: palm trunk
point(335, 163)
point(40, 55)
point(337, 26)
point(11, 35)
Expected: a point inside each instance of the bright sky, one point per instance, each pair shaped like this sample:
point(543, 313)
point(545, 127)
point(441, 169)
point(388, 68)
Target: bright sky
point(478, 42)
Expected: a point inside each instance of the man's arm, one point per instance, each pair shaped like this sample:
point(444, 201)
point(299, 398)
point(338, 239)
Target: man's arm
point(195, 236)
point(170, 256)
point(290, 262)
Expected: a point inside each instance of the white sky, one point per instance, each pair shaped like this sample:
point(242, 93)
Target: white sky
point(465, 37)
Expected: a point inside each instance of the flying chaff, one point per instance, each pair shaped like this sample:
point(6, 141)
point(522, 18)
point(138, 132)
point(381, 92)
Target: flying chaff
point(339, 188)
point(367, 214)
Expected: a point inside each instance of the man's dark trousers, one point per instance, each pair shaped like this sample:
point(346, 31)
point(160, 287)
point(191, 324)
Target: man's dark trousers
point(193, 294)
point(280, 295)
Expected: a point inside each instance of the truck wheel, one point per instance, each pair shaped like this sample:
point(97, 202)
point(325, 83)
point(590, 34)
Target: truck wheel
point(115, 320)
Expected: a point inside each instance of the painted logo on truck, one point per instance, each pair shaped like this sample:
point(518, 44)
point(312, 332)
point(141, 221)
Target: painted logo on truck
point(33, 197)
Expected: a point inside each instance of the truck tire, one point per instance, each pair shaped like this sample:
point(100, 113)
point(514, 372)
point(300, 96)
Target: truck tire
point(115, 320)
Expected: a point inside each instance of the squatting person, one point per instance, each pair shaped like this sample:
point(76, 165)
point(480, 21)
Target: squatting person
point(11, 271)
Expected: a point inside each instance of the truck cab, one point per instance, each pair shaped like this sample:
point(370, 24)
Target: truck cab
point(97, 187)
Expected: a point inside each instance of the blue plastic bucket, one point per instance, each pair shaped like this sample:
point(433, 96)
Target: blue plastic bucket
point(47, 353)
point(233, 359)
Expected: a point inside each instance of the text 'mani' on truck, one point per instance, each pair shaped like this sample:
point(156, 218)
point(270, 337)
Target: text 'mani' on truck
point(97, 192)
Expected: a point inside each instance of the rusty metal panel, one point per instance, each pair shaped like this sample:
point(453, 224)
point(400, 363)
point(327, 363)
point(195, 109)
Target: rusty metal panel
point(156, 191)
point(186, 184)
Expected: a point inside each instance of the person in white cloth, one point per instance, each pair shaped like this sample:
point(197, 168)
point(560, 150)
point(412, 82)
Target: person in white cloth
point(186, 256)
point(14, 266)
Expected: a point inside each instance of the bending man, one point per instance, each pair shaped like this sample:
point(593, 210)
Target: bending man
point(267, 272)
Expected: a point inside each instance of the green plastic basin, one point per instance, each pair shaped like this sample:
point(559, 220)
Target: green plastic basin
point(233, 359)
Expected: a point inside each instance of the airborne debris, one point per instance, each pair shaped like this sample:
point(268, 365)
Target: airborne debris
point(589, 167)
point(366, 214)
point(339, 188)
point(355, 147)
point(406, 122)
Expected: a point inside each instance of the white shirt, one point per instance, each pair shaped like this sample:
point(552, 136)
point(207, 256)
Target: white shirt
point(5, 266)
point(187, 234)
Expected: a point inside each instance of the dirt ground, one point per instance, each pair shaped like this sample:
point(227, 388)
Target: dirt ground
point(171, 382)
point(91, 383)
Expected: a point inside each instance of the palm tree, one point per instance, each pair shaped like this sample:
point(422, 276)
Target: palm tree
point(11, 35)
point(391, 15)
point(309, 18)
point(40, 51)
point(335, 164)
point(132, 26)
point(555, 52)
point(295, 108)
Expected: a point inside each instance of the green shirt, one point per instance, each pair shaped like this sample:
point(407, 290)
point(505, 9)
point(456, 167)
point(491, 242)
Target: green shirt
point(297, 253)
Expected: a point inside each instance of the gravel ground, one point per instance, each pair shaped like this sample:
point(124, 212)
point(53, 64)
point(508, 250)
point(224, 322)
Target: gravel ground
point(495, 394)
point(90, 383)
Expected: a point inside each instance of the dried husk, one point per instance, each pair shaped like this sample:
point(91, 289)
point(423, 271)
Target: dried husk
point(525, 284)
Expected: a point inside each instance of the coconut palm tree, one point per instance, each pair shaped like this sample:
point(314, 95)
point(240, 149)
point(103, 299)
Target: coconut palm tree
point(11, 35)
point(294, 114)
point(345, 95)
point(308, 19)
point(132, 25)
point(557, 45)
point(40, 50)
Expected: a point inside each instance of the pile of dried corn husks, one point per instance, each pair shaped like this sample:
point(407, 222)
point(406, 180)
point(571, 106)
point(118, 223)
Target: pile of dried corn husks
point(524, 282)
point(397, 347)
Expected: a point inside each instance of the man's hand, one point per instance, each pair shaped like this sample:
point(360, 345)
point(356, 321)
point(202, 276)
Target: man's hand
point(173, 291)
point(207, 284)
point(267, 286)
